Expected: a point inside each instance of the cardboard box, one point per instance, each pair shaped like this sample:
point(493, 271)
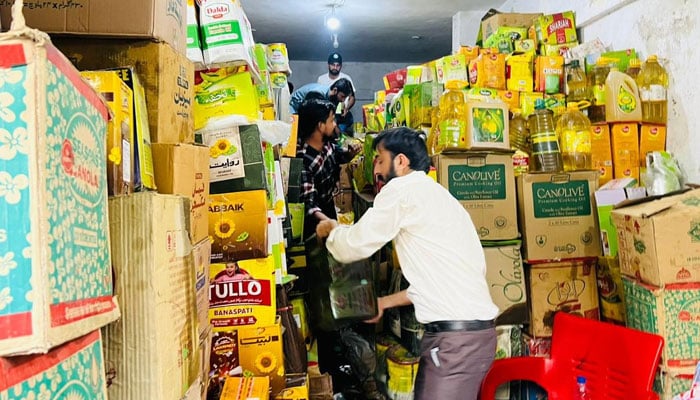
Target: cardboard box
point(557, 215)
point(625, 150)
point(152, 349)
point(487, 125)
point(242, 293)
point(568, 286)
point(506, 280)
point(238, 226)
point(199, 262)
point(300, 390)
point(236, 159)
point(484, 183)
point(494, 19)
point(75, 370)
point(166, 74)
point(204, 350)
point(260, 352)
point(670, 382)
point(223, 358)
point(183, 169)
point(660, 238)
point(672, 312)
point(56, 280)
point(606, 197)
point(163, 20)
point(601, 152)
point(120, 129)
point(248, 388)
point(611, 293)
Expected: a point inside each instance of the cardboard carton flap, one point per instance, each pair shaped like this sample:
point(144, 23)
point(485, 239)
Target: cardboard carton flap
point(649, 206)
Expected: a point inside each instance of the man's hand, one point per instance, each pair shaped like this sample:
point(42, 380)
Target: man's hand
point(381, 305)
point(324, 228)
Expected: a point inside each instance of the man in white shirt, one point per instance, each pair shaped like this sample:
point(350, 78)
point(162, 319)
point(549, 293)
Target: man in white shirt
point(440, 256)
point(335, 64)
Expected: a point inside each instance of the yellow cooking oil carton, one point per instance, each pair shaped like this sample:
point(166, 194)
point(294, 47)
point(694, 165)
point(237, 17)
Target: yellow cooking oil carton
point(625, 150)
point(601, 152)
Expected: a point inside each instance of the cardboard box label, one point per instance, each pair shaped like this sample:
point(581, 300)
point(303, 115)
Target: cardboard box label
point(55, 274)
point(238, 226)
point(477, 183)
point(556, 200)
point(224, 361)
point(506, 279)
point(75, 370)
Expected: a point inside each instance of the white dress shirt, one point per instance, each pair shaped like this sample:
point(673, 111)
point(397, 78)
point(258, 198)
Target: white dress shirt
point(437, 245)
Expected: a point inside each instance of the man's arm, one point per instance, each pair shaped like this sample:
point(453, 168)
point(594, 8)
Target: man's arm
point(397, 299)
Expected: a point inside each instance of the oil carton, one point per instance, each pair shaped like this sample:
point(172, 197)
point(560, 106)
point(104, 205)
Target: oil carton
point(506, 279)
point(241, 294)
point(625, 150)
point(606, 197)
point(236, 158)
point(451, 68)
point(556, 28)
point(671, 312)
point(487, 125)
point(223, 359)
point(248, 388)
point(222, 92)
point(659, 239)
point(238, 226)
point(120, 136)
point(601, 152)
point(166, 75)
point(152, 351)
point(226, 34)
point(549, 74)
point(260, 352)
point(484, 183)
point(183, 169)
point(75, 370)
point(557, 214)
point(610, 290)
point(651, 138)
point(56, 279)
point(568, 286)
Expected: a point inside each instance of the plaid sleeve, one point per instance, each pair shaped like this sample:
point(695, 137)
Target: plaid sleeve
point(309, 194)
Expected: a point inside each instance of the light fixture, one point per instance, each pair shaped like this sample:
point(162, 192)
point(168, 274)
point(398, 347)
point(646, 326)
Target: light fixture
point(335, 41)
point(332, 22)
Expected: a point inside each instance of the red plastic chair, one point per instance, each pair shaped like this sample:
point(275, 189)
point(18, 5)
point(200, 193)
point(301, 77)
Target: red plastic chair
point(617, 362)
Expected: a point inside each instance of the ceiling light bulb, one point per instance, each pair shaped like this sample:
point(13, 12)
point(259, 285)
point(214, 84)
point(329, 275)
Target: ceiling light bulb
point(333, 23)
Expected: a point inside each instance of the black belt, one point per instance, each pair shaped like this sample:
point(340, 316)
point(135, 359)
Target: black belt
point(456, 326)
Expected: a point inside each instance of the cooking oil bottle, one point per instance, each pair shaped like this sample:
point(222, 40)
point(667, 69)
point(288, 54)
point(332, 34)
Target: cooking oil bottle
point(633, 68)
point(653, 84)
point(453, 118)
point(622, 102)
point(574, 131)
point(576, 83)
point(520, 142)
point(596, 112)
point(545, 156)
point(434, 134)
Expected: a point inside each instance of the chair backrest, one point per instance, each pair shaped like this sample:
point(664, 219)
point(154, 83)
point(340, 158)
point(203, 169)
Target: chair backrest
point(617, 362)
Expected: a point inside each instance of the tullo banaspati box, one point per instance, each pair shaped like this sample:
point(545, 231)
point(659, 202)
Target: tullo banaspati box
point(557, 215)
point(55, 266)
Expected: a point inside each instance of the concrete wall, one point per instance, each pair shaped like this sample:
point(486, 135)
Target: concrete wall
point(669, 29)
point(366, 77)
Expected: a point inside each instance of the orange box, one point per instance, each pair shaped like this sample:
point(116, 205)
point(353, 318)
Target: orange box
point(625, 149)
point(549, 74)
point(246, 388)
point(238, 225)
point(601, 152)
point(651, 138)
point(260, 353)
point(242, 294)
point(511, 98)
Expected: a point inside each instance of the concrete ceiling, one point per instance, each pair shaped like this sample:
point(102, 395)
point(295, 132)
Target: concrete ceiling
point(371, 30)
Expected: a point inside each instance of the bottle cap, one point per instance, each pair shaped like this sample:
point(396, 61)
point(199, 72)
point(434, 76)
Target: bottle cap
point(580, 379)
point(539, 104)
point(634, 63)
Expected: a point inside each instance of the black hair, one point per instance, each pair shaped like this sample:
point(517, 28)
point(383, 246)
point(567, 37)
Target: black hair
point(311, 112)
point(343, 86)
point(408, 142)
point(315, 95)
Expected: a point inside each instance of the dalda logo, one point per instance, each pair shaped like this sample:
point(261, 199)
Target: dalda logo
point(217, 10)
point(690, 313)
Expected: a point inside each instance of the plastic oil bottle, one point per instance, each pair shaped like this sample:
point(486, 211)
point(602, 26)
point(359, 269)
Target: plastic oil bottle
point(633, 68)
point(622, 103)
point(596, 112)
point(434, 134)
point(519, 132)
point(545, 156)
point(574, 131)
point(576, 82)
point(653, 84)
point(453, 114)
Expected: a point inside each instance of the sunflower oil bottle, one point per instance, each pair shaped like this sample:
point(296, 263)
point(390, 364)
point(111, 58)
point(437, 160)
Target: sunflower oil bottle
point(434, 134)
point(545, 156)
point(596, 112)
point(653, 84)
point(453, 118)
point(633, 68)
point(576, 82)
point(574, 132)
point(622, 103)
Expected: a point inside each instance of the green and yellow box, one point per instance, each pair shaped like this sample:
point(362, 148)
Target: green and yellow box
point(222, 92)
